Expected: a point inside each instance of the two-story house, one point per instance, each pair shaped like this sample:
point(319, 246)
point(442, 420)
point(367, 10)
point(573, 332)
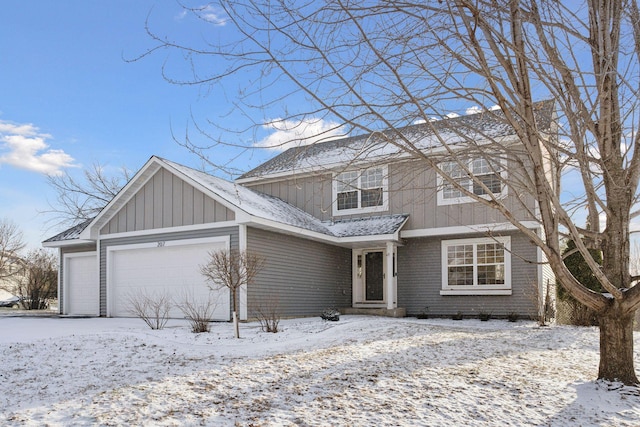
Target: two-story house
point(362, 224)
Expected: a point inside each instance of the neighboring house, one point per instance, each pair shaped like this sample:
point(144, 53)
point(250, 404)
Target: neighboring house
point(352, 223)
point(13, 271)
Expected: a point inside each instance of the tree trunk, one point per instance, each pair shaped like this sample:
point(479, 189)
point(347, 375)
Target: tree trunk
point(616, 346)
point(236, 326)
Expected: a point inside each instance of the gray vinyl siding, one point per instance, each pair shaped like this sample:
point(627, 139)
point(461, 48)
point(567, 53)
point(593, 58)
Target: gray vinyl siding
point(63, 251)
point(312, 194)
point(420, 281)
point(166, 201)
point(232, 232)
point(549, 287)
point(302, 276)
point(412, 189)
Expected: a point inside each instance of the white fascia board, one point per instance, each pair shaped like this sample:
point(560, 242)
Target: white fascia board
point(67, 243)
point(314, 235)
point(206, 226)
point(465, 229)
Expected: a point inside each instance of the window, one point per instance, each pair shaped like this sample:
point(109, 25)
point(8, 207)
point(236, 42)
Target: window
point(490, 174)
point(361, 191)
point(476, 266)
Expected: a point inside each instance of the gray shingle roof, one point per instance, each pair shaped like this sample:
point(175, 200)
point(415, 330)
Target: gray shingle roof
point(267, 207)
point(72, 233)
point(486, 125)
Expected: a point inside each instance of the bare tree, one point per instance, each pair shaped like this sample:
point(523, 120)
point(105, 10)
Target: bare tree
point(79, 199)
point(40, 282)
point(11, 263)
point(232, 269)
point(376, 65)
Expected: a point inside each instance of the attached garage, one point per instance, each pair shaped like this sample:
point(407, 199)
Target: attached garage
point(81, 288)
point(170, 268)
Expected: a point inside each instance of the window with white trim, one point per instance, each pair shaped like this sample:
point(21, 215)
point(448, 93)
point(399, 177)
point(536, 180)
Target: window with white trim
point(489, 178)
point(476, 266)
point(360, 191)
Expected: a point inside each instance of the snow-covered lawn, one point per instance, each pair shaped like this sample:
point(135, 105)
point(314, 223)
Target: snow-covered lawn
point(360, 371)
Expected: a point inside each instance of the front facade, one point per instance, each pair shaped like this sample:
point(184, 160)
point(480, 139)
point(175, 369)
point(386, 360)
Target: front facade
point(349, 224)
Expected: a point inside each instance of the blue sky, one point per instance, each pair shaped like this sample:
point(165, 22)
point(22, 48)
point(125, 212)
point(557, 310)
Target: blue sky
point(68, 98)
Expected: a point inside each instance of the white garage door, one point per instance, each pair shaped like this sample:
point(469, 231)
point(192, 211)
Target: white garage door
point(81, 294)
point(170, 269)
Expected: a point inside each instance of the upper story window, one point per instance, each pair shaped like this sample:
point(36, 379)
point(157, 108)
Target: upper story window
point(360, 191)
point(489, 178)
point(476, 266)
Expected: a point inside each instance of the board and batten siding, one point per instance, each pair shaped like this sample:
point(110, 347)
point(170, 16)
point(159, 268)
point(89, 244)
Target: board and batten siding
point(420, 281)
point(301, 276)
point(232, 232)
point(166, 201)
point(64, 250)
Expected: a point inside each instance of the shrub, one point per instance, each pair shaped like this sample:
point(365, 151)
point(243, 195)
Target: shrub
point(198, 313)
point(457, 316)
point(268, 315)
point(512, 316)
point(152, 308)
point(330, 314)
point(484, 316)
point(424, 314)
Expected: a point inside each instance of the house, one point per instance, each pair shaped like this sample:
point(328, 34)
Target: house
point(354, 223)
point(12, 273)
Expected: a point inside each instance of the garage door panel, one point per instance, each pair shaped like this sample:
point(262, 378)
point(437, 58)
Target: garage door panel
point(82, 292)
point(171, 271)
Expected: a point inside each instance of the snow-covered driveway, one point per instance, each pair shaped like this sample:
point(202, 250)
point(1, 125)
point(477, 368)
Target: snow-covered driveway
point(360, 371)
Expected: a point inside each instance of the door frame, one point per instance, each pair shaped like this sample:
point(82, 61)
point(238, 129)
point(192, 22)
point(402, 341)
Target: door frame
point(359, 297)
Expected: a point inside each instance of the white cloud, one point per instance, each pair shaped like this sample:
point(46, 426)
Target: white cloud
point(209, 13)
point(290, 133)
point(473, 110)
point(214, 15)
point(23, 146)
point(180, 16)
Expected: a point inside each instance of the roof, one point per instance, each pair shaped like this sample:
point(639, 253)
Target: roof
point(385, 224)
point(72, 233)
point(255, 204)
point(272, 208)
point(485, 125)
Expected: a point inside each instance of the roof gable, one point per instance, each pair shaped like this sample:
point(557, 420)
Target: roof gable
point(242, 200)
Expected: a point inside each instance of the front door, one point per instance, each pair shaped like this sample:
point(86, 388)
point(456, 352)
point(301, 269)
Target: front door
point(374, 276)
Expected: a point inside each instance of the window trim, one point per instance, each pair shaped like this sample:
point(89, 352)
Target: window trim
point(385, 192)
point(475, 289)
point(442, 201)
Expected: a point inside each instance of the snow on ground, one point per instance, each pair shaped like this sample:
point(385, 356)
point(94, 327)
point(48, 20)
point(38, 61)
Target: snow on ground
point(360, 371)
